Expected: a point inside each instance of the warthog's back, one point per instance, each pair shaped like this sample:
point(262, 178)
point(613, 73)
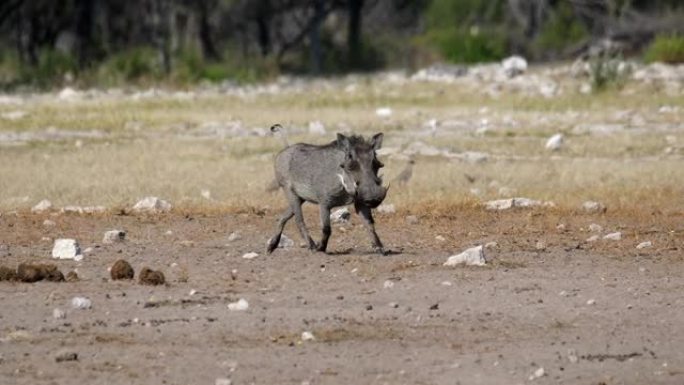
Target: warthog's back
point(311, 172)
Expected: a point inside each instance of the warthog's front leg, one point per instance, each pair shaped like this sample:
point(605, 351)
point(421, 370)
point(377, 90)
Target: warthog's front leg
point(325, 228)
point(369, 223)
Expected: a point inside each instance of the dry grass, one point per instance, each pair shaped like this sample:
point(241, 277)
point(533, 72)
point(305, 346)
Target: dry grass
point(158, 146)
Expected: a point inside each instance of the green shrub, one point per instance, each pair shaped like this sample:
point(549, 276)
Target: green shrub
point(561, 31)
point(666, 49)
point(51, 69)
point(134, 64)
point(472, 46)
point(606, 72)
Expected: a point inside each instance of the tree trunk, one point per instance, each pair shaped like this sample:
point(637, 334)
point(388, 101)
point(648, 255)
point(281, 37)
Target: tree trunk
point(209, 50)
point(315, 37)
point(84, 31)
point(354, 33)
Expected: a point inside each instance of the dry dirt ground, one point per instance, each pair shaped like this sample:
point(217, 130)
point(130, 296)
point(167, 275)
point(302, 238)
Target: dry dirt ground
point(587, 313)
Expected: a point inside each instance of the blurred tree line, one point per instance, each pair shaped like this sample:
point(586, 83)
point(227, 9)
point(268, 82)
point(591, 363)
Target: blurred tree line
point(44, 42)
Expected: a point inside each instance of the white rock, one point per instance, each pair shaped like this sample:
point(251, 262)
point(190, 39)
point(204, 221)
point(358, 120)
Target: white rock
point(537, 374)
point(616, 236)
point(440, 238)
point(113, 236)
point(65, 248)
point(251, 255)
point(317, 128)
point(540, 245)
point(81, 303)
point(514, 66)
point(593, 207)
point(388, 284)
point(491, 245)
point(471, 257)
point(152, 205)
point(572, 356)
point(223, 381)
point(644, 245)
point(446, 283)
point(593, 238)
point(591, 302)
point(206, 194)
point(93, 209)
point(340, 216)
point(595, 228)
point(68, 93)
point(308, 336)
point(42, 206)
point(71, 210)
point(49, 223)
point(240, 305)
point(555, 142)
point(384, 112)
point(386, 208)
point(234, 236)
point(58, 313)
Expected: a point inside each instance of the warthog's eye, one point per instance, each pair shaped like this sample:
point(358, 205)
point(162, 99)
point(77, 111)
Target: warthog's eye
point(352, 165)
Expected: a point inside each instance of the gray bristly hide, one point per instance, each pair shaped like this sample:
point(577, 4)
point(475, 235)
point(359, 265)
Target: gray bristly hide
point(342, 172)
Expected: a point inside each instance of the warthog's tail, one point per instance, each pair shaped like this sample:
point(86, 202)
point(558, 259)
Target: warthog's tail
point(278, 130)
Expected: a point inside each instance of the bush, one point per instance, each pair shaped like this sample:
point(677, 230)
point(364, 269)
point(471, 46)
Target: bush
point(470, 46)
point(561, 31)
point(607, 72)
point(51, 69)
point(666, 49)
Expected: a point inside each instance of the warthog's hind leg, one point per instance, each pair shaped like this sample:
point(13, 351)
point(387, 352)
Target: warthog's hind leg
point(369, 224)
point(273, 242)
point(296, 206)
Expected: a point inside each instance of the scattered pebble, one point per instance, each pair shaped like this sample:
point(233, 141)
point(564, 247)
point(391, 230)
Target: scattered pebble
point(393, 305)
point(340, 216)
point(537, 374)
point(113, 236)
point(384, 112)
point(446, 283)
point(386, 209)
point(240, 305)
point(572, 356)
point(616, 236)
point(470, 257)
point(491, 245)
point(234, 236)
point(440, 238)
point(223, 381)
point(591, 302)
point(514, 65)
point(58, 313)
point(42, 206)
point(554, 143)
point(540, 246)
point(152, 205)
point(593, 238)
point(592, 207)
point(595, 228)
point(506, 204)
point(308, 336)
point(388, 284)
point(81, 303)
point(71, 276)
point(412, 220)
point(49, 223)
point(67, 249)
point(251, 255)
point(644, 245)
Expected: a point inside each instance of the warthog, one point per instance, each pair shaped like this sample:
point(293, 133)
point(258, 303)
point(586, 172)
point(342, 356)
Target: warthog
point(342, 172)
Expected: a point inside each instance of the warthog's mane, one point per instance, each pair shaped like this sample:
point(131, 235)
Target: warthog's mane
point(355, 141)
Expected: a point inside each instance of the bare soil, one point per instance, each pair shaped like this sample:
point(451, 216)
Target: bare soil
point(586, 312)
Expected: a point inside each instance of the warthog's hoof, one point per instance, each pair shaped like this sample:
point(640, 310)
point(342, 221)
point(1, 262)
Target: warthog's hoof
point(272, 244)
point(380, 250)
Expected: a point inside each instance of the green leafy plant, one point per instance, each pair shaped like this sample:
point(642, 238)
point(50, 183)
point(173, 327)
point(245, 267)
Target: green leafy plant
point(666, 49)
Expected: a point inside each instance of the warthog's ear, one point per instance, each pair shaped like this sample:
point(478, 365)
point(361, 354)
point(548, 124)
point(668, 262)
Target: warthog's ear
point(376, 141)
point(343, 143)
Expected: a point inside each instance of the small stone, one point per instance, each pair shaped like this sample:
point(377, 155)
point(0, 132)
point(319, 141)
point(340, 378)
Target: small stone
point(644, 245)
point(505, 204)
point(284, 243)
point(206, 194)
point(537, 374)
point(340, 216)
point(616, 236)
point(233, 274)
point(239, 305)
point(554, 143)
point(591, 302)
point(393, 305)
point(308, 336)
point(540, 246)
point(594, 228)
point(65, 356)
point(491, 245)
point(473, 256)
point(88, 250)
point(121, 270)
point(592, 207)
point(81, 303)
point(58, 313)
point(388, 284)
point(446, 283)
point(152, 205)
point(369, 307)
point(223, 381)
point(434, 307)
point(49, 223)
point(561, 227)
point(71, 276)
point(440, 238)
point(593, 238)
point(234, 236)
point(113, 236)
point(386, 209)
point(317, 128)
point(42, 206)
point(148, 276)
point(514, 66)
point(67, 249)
point(412, 220)
point(251, 255)
point(384, 112)
point(572, 356)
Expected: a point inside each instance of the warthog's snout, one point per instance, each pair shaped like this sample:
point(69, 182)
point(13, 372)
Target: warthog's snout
point(375, 197)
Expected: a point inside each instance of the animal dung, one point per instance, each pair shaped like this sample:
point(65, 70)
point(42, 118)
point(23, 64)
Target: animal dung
point(121, 270)
point(28, 272)
point(151, 277)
